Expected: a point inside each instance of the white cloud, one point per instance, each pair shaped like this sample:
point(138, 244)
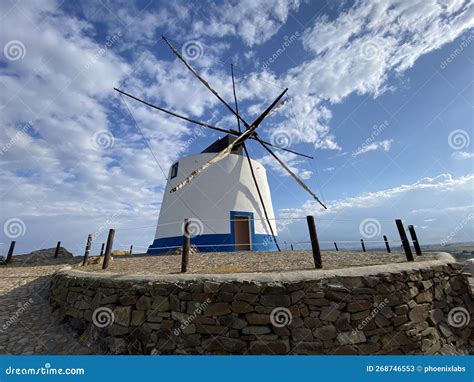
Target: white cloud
point(291, 160)
point(462, 155)
point(356, 52)
point(384, 145)
point(254, 22)
point(443, 201)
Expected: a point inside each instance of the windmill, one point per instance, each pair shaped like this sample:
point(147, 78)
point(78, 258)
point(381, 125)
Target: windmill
point(230, 205)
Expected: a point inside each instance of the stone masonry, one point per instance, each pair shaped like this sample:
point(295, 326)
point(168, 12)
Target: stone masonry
point(409, 308)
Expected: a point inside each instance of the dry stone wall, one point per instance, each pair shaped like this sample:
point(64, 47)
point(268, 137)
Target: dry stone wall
point(412, 308)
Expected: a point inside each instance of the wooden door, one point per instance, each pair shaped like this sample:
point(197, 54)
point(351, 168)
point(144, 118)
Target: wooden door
point(242, 233)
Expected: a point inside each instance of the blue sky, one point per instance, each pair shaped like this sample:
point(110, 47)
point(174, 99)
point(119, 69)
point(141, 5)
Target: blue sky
point(380, 93)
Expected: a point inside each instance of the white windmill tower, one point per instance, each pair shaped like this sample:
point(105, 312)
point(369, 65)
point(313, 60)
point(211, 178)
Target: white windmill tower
point(228, 200)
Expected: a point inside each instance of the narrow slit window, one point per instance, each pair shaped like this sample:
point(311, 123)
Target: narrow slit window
point(174, 170)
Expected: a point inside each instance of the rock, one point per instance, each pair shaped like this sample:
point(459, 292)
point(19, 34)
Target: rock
point(381, 321)
point(398, 320)
point(122, 315)
point(343, 323)
point(217, 309)
point(435, 316)
point(117, 330)
point(327, 332)
point(241, 307)
point(338, 296)
point(256, 330)
point(258, 319)
point(394, 340)
point(138, 318)
point(358, 306)
point(301, 334)
point(269, 347)
point(360, 315)
point(426, 296)
point(116, 345)
point(401, 309)
point(211, 287)
point(248, 297)
point(307, 348)
point(329, 314)
point(234, 322)
point(275, 300)
point(419, 313)
point(224, 345)
point(312, 322)
point(350, 338)
point(316, 301)
point(128, 300)
point(144, 303)
point(160, 304)
point(297, 296)
point(212, 329)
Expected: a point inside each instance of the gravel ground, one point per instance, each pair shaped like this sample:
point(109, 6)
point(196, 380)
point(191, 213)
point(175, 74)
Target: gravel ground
point(236, 262)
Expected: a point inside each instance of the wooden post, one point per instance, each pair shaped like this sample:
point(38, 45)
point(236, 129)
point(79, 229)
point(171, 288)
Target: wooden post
point(414, 238)
point(387, 245)
point(363, 245)
point(56, 253)
point(108, 249)
point(291, 246)
point(102, 249)
point(404, 239)
point(335, 245)
point(10, 252)
point(88, 249)
point(318, 264)
point(186, 245)
point(131, 250)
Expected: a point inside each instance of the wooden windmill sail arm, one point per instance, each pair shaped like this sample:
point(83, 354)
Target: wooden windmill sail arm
point(221, 155)
point(293, 175)
point(278, 107)
point(174, 114)
point(204, 82)
point(183, 117)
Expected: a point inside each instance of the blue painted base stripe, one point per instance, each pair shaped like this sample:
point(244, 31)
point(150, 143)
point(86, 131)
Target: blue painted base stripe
point(211, 243)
